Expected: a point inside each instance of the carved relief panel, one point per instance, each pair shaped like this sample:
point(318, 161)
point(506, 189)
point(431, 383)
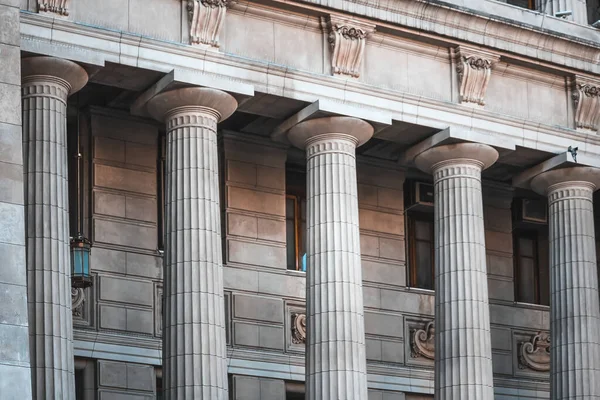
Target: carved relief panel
point(347, 39)
point(295, 327)
point(586, 96)
point(534, 354)
point(421, 342)
point(474, 69)
point(55, 7)
point(206, 18)
point(82, 305)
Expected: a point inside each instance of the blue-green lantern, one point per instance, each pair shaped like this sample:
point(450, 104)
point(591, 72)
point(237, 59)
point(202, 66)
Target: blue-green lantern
point(80, 262)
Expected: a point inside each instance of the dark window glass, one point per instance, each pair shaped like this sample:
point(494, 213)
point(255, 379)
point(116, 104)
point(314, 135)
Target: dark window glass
point(295, 220)
point(421, 251)
point(79, 384)
point(530, 4)
point(531, 278)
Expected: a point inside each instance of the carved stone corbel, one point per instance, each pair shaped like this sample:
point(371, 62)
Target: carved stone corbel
point(60, 7)
point(423, 341)
point(535, 353)
point(347, 39)
point(77, 302)
point(206, 19)
point(298, 328)
point(587, 103)
point(474, 68)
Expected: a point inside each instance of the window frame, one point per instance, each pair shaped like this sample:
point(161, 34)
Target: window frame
point(533, 236)
point(295, 189)
point(411, 218)
point(530, 5)
point(297, 229)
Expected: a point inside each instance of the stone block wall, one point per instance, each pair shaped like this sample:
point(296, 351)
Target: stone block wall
point(125, 381)
point(14, 336)
point(251, 388)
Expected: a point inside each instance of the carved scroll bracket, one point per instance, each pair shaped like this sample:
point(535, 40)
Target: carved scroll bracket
point(586, 95)
point(59, 7)
point(535, 353)
point(77, 302)
point(474, 68)
point(206, 19)
point(298, 328)
point(347, 39)
point(423, 341)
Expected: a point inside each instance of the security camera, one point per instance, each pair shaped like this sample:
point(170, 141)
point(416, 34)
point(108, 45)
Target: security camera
point(596, 24)
point(563, 14)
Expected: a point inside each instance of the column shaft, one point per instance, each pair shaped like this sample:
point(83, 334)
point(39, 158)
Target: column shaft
point(463, 356)
point(195, 360)
point(336, 360)
point(578, 7)
point(47, 233)
point(574, 304)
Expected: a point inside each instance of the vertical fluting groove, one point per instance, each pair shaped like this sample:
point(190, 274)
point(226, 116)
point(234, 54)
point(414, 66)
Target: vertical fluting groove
point(195, 358)
point(574, 303)
point(47, 233)
point(336, 362)
point(463, 359)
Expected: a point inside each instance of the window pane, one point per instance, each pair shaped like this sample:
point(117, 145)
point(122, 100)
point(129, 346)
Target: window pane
point(525, 247)
point(290, 236)
point(422, 230)
point(424, 264)
point(526, 277)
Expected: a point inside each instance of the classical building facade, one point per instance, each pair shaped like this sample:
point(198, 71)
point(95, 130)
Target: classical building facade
point(284, 200)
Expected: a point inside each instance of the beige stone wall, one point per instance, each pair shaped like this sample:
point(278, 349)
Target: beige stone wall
point(124, 223)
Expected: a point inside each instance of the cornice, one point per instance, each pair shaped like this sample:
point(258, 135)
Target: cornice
point(95, 45)
point(536, 36)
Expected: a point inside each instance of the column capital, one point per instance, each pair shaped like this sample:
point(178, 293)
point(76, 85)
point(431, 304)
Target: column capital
point(471, 153)
point(221, 102)
point(546, 182)
point(352, 128)
point(40, 66)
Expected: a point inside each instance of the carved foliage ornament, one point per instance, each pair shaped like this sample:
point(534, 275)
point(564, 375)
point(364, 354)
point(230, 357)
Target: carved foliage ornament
point(587, 104)
point(206, 20)
point(60, 7)
point(474, 70)
point(535, 353)
point(423, 341)
point(298, 328)
point(347, 41)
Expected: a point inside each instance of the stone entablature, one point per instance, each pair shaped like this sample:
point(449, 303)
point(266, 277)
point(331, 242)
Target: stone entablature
point(586, 95)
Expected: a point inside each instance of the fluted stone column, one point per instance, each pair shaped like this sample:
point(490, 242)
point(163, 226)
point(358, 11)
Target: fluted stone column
point(463, 350)
point(46, 84)
point(578, 7)
point(335, 356)
point(574, 304)
point(194, 348)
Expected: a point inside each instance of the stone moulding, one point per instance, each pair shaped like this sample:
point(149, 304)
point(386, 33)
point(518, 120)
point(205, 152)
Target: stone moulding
point(586, 95)
point(423, 341)
point(347, 39)
point(298, 328)
point(206, 18)
point(535, 353)
point(60, 7)
point(474, 69)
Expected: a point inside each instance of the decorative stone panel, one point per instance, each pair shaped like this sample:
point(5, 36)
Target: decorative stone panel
point(534, 354)
point(295, 330)
point(57, 7)
point(298, 328)
point(423, 341)
point(158, 309)
point(82, 305)
point(474, 69)
point(587, 103)
point(206, 18)
point(347, 39)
